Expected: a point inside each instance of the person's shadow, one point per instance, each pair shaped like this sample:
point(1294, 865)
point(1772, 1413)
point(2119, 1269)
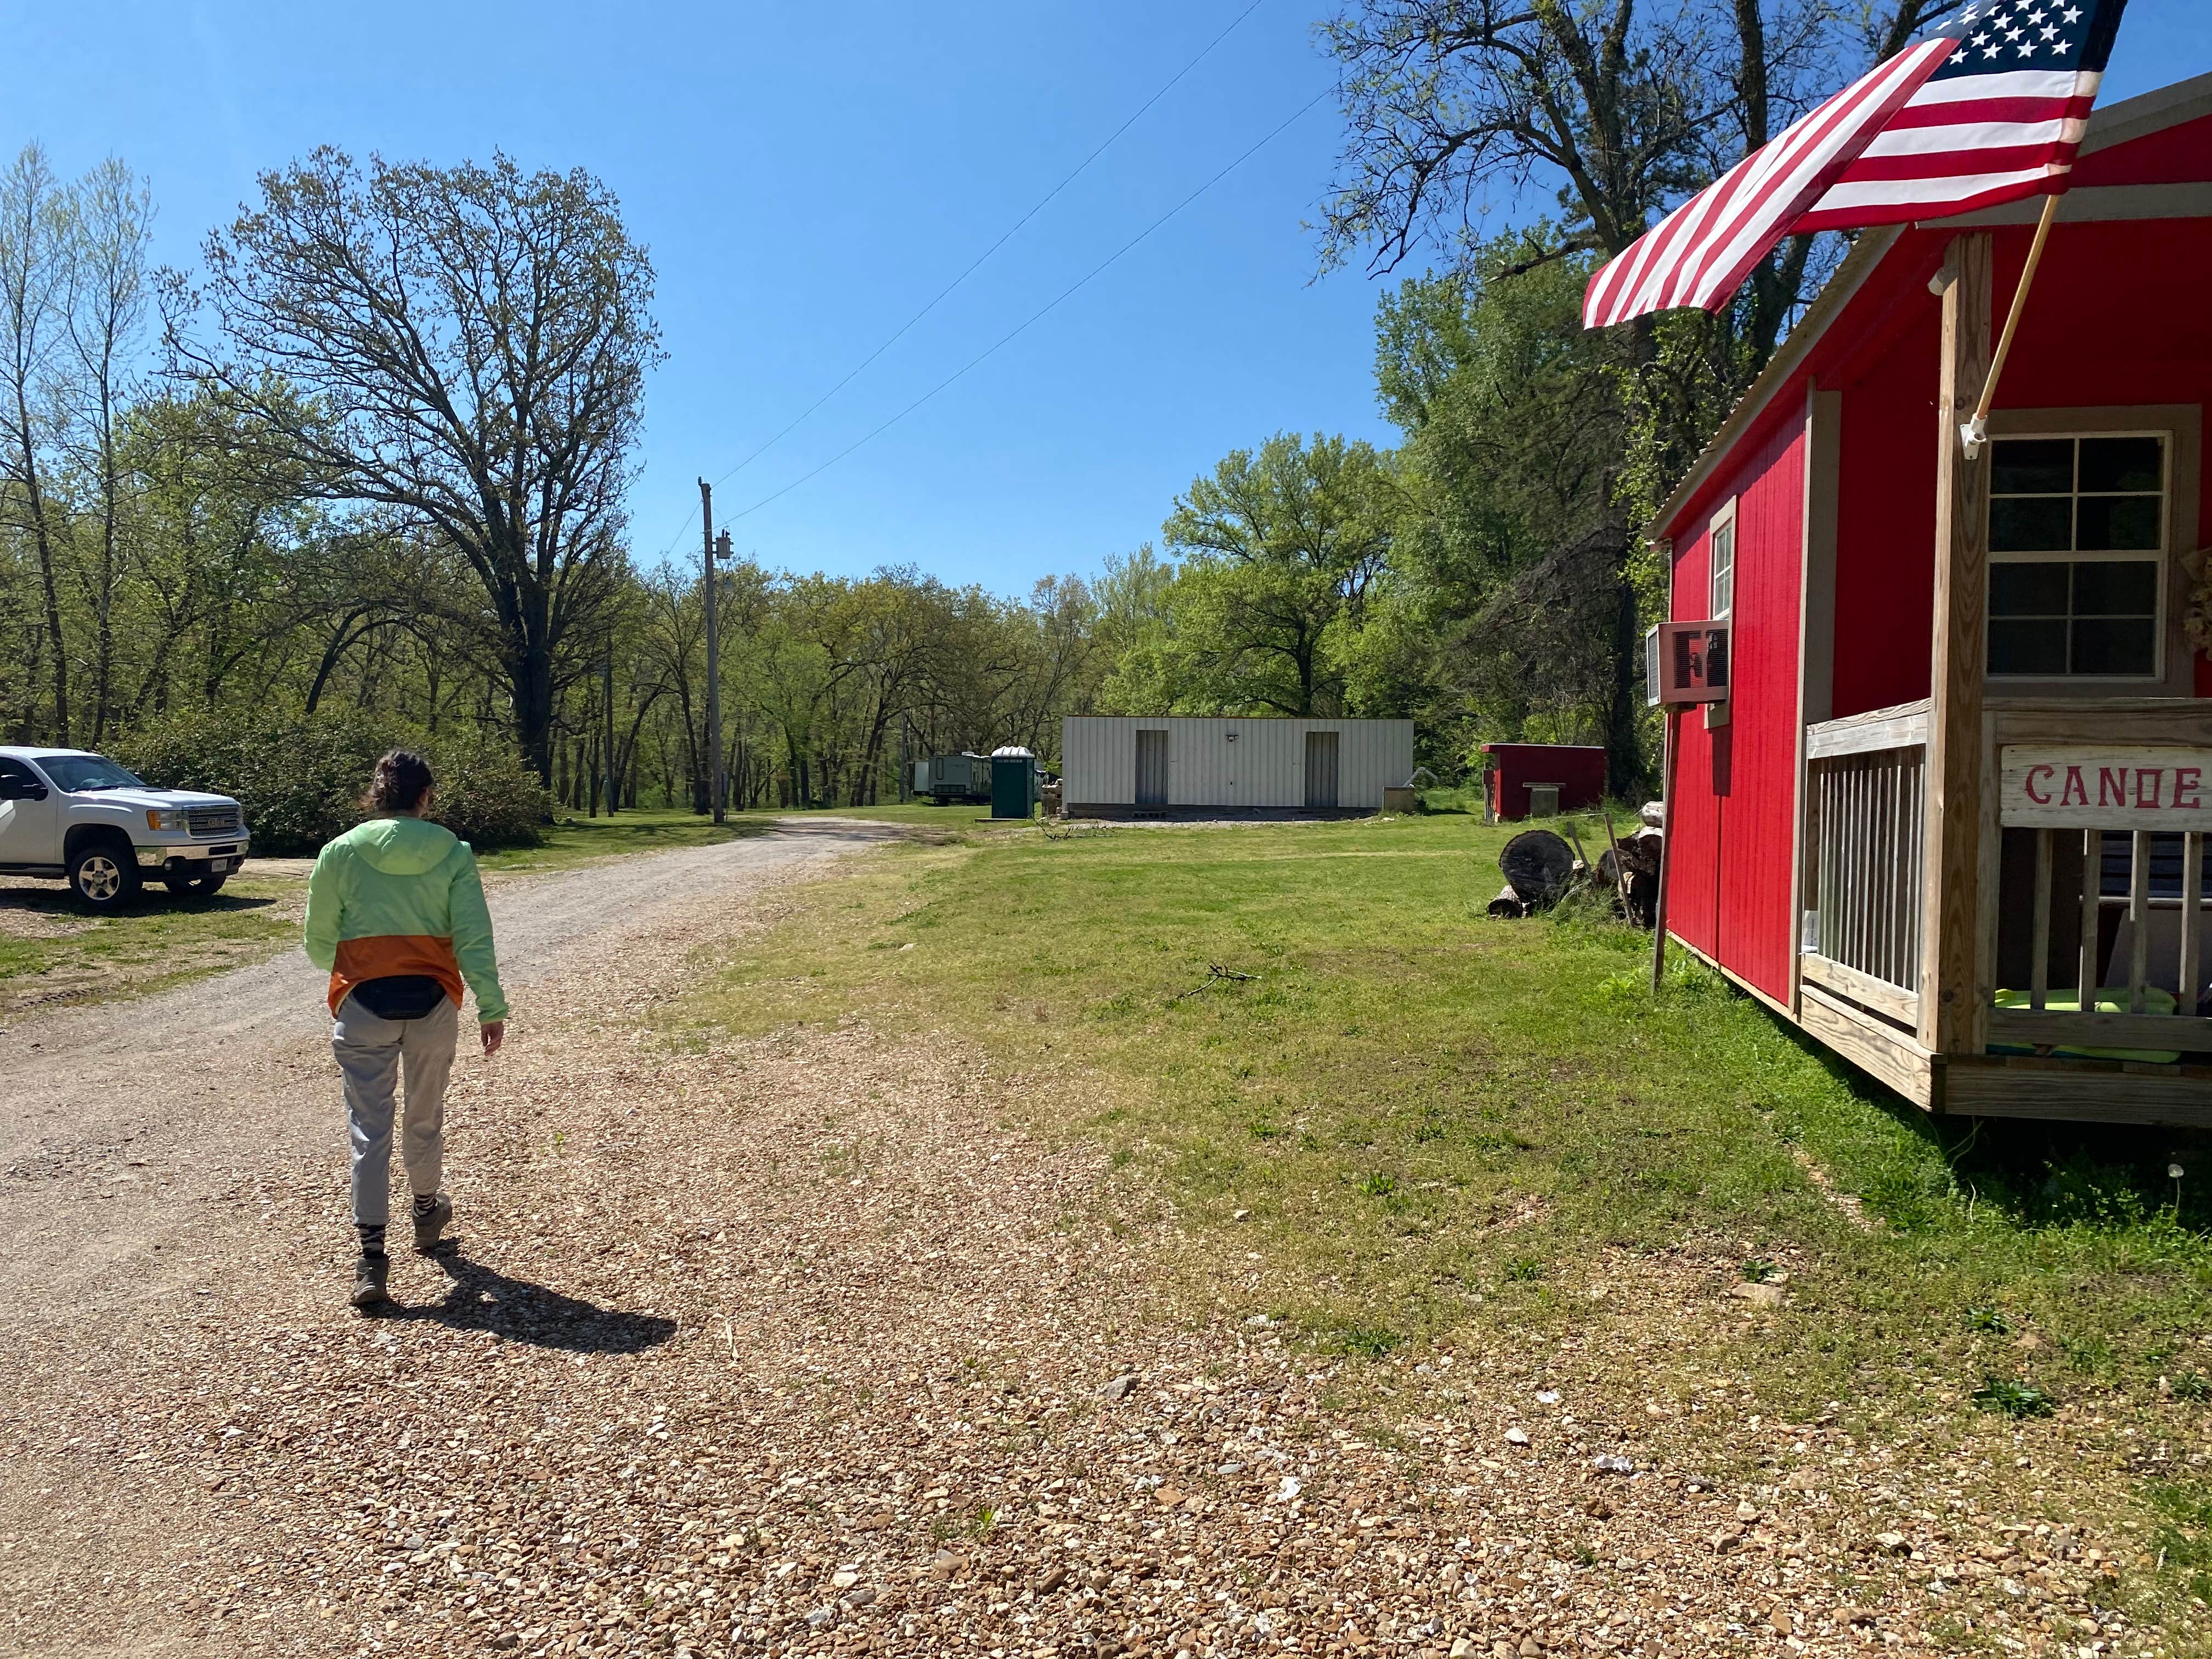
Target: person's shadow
point(481, 1299)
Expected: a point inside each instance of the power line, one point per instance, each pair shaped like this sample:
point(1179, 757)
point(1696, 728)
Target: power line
point(1038, 315)
point(1043, 202)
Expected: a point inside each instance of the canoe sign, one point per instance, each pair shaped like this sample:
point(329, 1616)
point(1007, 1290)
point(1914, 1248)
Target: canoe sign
point(2083, 787)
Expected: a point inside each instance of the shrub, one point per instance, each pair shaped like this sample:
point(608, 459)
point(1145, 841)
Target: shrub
point(301, 779)
point(487, 796)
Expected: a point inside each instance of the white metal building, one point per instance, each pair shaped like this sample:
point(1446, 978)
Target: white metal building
point(1119, 766)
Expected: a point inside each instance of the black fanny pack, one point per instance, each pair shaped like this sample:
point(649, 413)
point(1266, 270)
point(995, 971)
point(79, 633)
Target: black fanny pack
point(400, 996)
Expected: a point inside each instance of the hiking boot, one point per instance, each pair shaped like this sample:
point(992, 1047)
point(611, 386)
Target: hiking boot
point(369, 1280)
point(428, 1227)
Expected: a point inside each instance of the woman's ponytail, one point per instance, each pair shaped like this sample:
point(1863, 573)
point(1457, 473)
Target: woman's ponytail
point(401, 780)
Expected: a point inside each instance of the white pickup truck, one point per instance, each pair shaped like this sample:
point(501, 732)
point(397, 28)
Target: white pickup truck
point(76, 816)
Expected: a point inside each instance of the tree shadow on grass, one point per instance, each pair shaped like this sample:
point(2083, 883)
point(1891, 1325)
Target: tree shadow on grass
point(51, 898)
point(480, 1298)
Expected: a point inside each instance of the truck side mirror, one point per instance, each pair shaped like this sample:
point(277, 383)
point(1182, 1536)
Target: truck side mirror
point(21, 789)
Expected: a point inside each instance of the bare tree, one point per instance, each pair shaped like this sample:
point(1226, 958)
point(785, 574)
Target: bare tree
point(35, 235)
point(1456, 108)
point(109, 221)
point(466, 347)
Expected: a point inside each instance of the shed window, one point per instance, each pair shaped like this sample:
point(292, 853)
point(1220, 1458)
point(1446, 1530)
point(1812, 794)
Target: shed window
point(2077, 544)
point(1723, 597)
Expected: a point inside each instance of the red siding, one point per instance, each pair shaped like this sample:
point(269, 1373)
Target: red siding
point(1736, 788)
point(1885, 525)
point(2176, 156)
point(1693, 834)
point(2075, 349)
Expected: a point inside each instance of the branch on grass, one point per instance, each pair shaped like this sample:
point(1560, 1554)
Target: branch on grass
point(1215, 975)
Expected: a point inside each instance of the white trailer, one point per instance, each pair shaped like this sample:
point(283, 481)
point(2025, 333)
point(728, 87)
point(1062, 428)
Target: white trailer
point(1138, 766)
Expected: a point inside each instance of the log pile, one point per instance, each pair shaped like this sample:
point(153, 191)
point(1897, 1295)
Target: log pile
point(1540, 869)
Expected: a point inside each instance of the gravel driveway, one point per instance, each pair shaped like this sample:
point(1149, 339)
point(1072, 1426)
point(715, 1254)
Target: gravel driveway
point(752, 1347)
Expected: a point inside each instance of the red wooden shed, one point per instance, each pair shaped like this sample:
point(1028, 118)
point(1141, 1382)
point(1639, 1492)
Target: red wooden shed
point(1966, 768)
point(1575, 771)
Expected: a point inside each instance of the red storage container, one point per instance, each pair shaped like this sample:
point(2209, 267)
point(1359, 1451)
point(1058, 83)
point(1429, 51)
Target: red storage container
point(1575, 771)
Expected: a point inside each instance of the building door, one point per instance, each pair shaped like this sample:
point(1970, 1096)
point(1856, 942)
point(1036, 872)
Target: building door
point(1152, 769)
point(1321, 770)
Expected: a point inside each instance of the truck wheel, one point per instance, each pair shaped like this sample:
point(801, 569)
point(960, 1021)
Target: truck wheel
point(195, 886)
point(103, 875)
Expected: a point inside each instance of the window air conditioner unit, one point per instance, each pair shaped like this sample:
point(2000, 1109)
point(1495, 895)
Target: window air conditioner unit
point(1686, 662)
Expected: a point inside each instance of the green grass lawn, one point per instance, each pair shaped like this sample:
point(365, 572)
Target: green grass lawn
point(574, 838)
point(52, 954)
point(954, 815)
point(1440, 1127)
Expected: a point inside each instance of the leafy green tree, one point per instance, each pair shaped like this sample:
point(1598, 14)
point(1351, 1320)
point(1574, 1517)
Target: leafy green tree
point(1282, 548)
point(465, 347)
point(1519, 600)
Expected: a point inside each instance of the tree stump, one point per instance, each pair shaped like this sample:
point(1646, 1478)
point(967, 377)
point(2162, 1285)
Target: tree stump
point(1537, 864)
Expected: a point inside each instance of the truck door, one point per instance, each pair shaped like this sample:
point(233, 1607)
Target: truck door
point(30, 817)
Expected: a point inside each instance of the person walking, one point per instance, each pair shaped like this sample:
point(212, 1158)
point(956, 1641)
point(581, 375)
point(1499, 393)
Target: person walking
point(396, 914)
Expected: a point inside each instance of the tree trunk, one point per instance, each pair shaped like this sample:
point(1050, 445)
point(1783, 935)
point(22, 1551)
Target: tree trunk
point(34, 499)
point(1624, 767)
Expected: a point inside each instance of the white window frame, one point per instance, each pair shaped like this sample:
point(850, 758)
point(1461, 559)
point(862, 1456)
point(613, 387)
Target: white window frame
point(2162, 555)
point(1718, 606)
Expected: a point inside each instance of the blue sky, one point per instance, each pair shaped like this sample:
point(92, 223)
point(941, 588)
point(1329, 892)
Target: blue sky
point(806, 177)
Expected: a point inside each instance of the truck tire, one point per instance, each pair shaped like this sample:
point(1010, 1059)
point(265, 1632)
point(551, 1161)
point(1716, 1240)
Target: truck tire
point(102, 874)
point(195, 886)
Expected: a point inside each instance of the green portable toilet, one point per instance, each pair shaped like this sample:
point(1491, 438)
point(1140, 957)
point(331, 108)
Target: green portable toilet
point(1013, 783)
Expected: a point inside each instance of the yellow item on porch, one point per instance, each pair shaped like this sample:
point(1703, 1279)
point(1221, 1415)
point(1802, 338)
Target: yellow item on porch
point(2109, 1000)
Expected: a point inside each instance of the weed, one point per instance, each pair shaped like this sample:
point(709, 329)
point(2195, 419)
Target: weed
point(1379, 1185)
point(2191, 1385)
point(1260, 1129)
point(1367, 1341)
point(2001, 1394)
point(1988, 1319)
point(1758, 1270)
point(1523, 1268)
point(2184, 1538)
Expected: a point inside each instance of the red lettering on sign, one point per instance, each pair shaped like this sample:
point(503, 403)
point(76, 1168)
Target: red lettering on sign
point(2187, 780)
point(2075, 790)
point(2033, 773)
point(2154, 773)
point(2111, 786)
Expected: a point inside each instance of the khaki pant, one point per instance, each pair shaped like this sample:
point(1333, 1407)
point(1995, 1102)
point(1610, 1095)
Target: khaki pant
point(373, 1055)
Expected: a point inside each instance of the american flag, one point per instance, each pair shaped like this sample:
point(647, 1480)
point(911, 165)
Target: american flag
point(1988, 109)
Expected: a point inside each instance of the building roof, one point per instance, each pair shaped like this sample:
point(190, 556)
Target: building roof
point(2092, 200)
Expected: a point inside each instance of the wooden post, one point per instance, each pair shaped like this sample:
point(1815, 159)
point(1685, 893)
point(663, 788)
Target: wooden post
point(1666, 844)
point(1952, 1018)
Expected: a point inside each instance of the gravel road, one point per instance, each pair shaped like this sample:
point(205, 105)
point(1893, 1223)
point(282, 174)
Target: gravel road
point(795, 1346)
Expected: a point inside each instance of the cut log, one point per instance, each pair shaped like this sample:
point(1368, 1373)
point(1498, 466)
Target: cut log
point(1507, 906)
point(1537, 863)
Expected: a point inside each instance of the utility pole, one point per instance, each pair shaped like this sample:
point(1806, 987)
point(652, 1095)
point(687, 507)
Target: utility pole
point(715, 785)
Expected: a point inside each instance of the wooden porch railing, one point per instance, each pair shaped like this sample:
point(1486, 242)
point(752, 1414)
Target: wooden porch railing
point(1866, 830)
point(2094, 926)
point(2089, 891)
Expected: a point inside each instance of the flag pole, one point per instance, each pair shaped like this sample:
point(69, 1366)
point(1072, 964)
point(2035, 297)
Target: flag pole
point(1976, 433)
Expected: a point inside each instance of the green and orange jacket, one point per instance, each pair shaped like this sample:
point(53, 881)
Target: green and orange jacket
point(398, 896)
